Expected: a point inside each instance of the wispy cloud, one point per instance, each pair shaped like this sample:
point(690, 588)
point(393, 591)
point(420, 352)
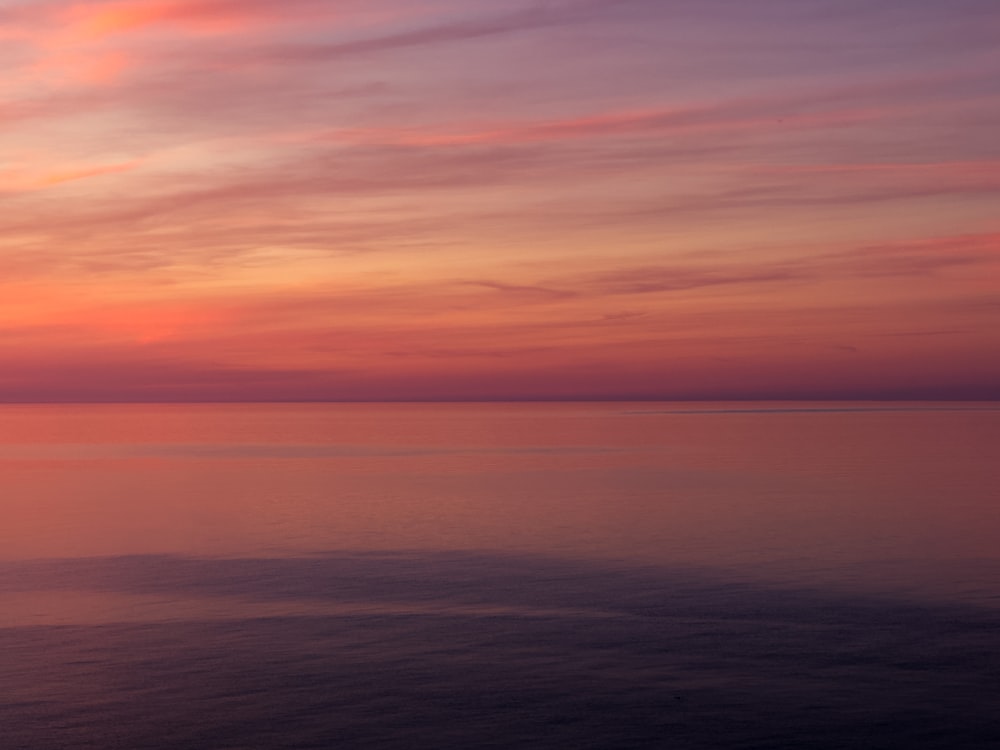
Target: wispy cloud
point(341, 197)
point(201, 16)
point(920, 258)
point(460, 31)
point(15, 181)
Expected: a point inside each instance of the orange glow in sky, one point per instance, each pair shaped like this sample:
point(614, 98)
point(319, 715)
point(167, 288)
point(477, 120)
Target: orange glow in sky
point(313, 200)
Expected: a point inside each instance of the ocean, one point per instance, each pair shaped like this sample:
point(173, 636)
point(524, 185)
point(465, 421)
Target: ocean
point(510, 575)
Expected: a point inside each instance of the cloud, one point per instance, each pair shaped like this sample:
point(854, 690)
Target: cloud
point(110, 18)
point(613, 124)
point(104, 42)
point(106, 19)
point(656, 279)
point(932, 332)
point(529, 290)
point(327, 342)
point(54, 176)
point(531, 18)
point(399, 188)
point(474, 352)
point(887, 260)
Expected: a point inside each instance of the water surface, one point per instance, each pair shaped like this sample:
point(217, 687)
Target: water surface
point(500, 575)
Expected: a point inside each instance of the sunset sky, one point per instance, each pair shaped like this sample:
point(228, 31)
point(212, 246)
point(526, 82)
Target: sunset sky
point(471, 199)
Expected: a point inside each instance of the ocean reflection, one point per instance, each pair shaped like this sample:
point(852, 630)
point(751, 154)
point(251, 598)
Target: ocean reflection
point(430, 650)
point(502, 576)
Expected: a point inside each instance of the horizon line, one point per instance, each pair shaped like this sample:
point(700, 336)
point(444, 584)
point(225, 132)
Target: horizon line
point(647, 399)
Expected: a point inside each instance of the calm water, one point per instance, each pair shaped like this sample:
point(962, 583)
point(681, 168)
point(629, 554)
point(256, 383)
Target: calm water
point(644, 575)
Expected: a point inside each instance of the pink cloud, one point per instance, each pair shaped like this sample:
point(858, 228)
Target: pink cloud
point(39, 179)
point(694, 120)
point(481, 202)
point(96, 20)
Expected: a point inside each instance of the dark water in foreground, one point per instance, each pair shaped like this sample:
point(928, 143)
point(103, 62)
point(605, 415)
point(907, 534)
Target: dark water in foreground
point(502, 576)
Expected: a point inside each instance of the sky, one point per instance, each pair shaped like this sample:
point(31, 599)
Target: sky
point(247, 200)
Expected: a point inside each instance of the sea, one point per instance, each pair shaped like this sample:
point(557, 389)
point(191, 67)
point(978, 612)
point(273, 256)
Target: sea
point(621, 575)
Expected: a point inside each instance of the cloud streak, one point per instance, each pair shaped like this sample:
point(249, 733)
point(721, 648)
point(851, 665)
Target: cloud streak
point(218, 199)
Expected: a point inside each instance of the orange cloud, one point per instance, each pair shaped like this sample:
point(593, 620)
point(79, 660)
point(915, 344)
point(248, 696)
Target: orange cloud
point(82, 173)
point(472, 340)
point(94, 21)
point(15, 181)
